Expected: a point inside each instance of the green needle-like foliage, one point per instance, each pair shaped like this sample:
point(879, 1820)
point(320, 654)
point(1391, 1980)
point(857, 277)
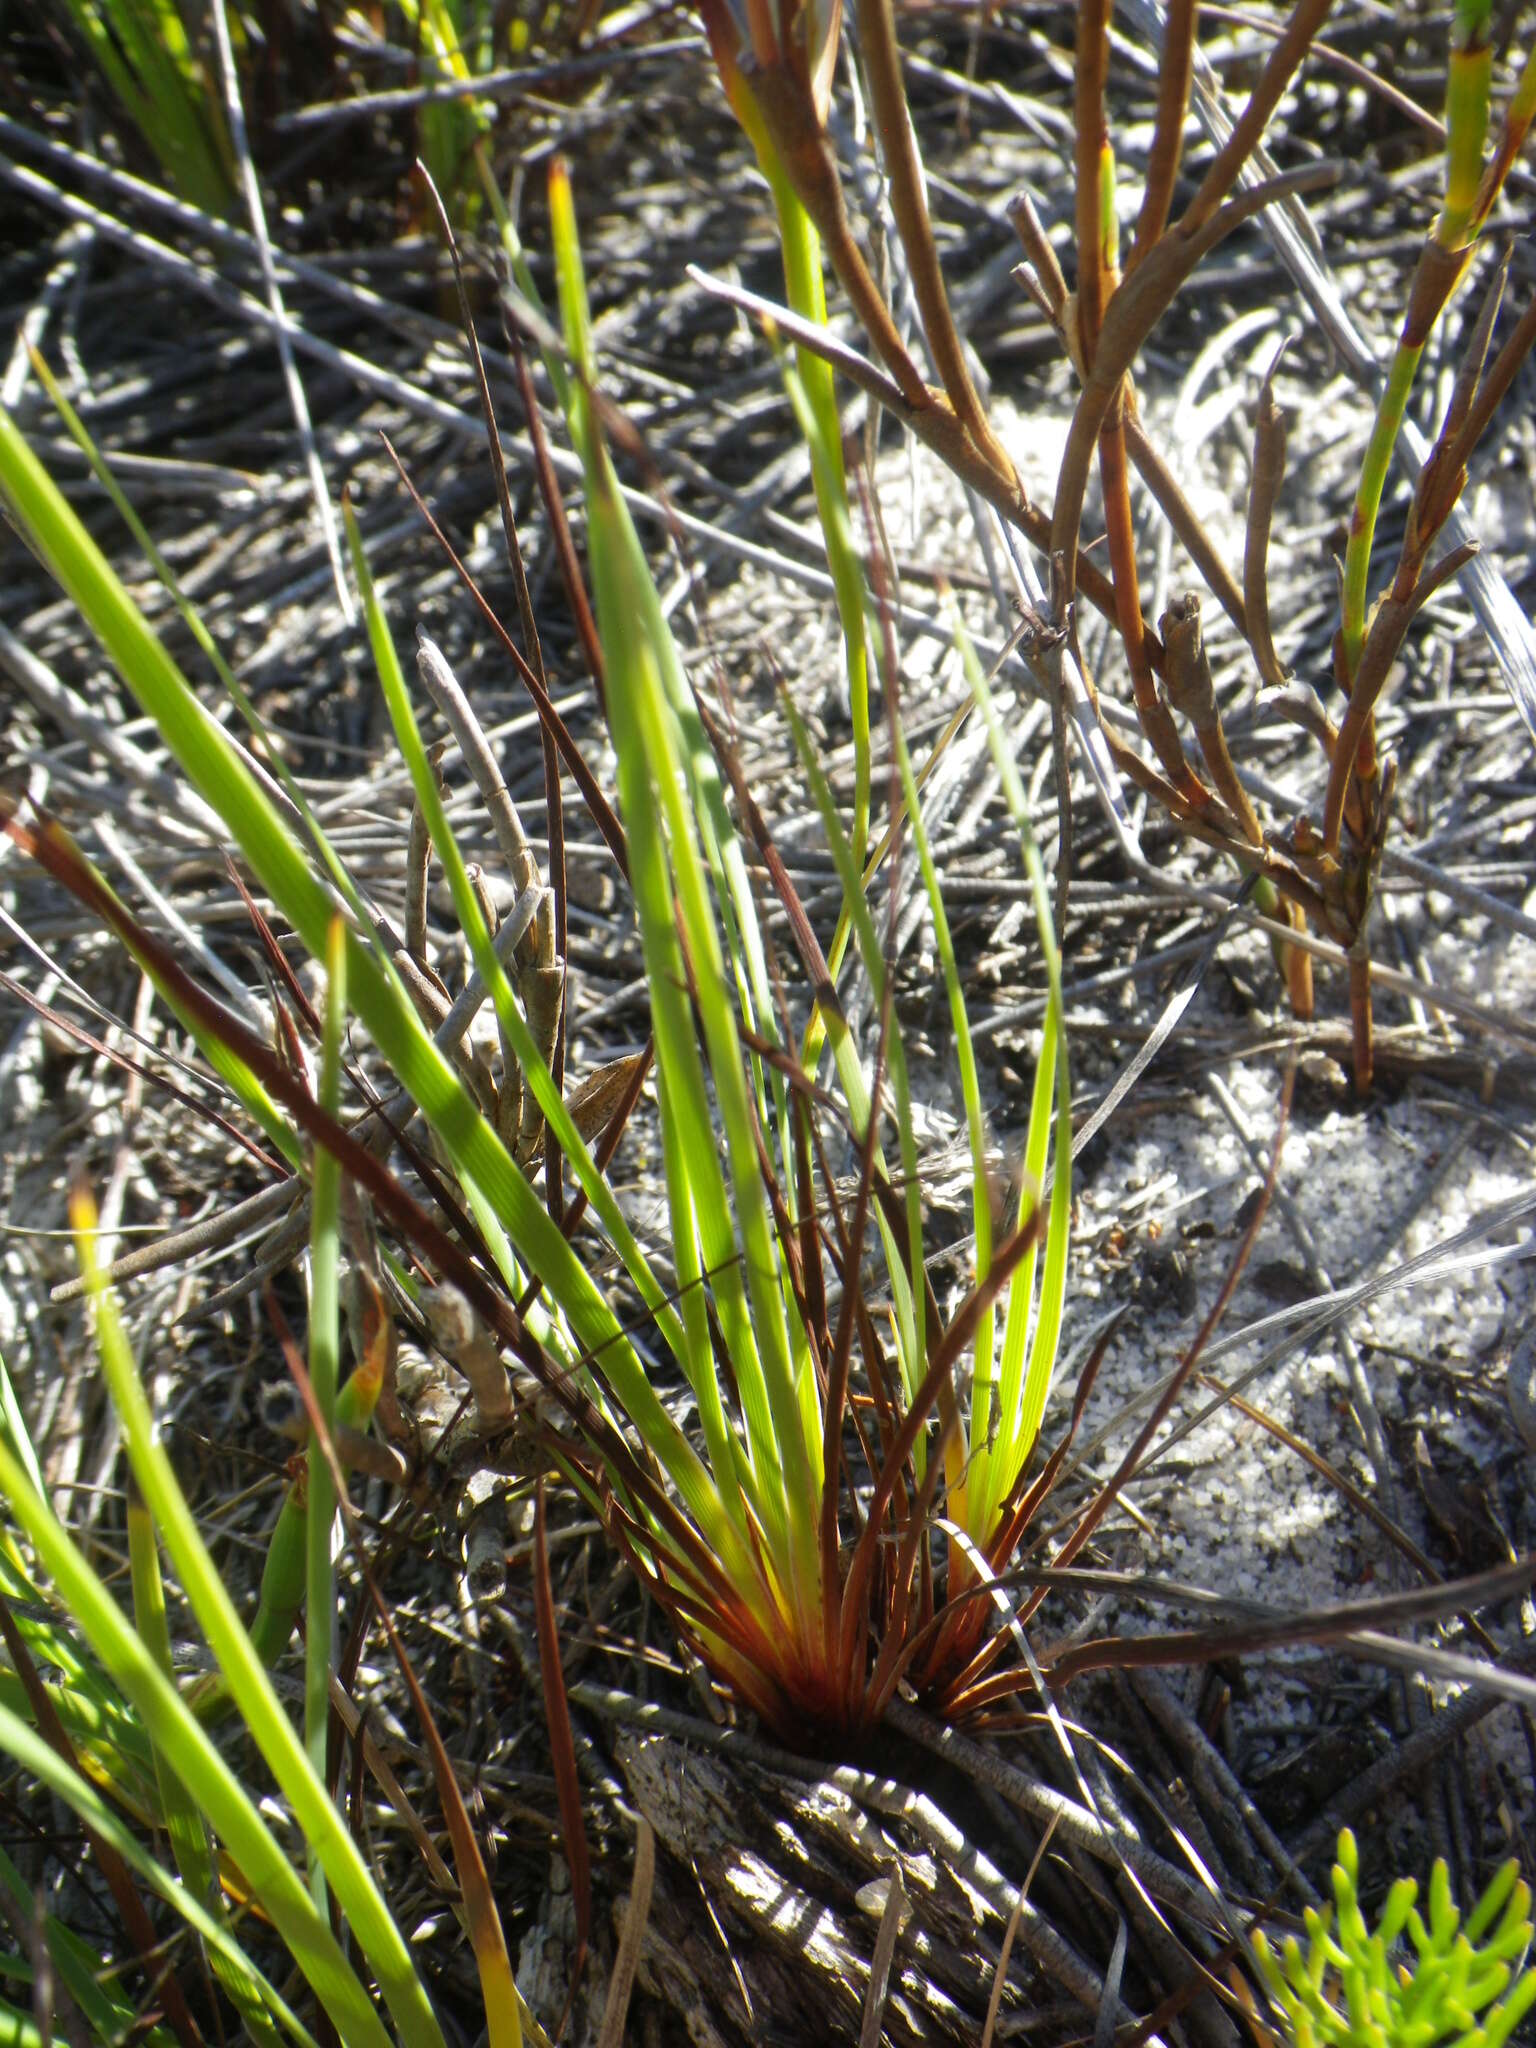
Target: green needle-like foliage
point(1417, 1979)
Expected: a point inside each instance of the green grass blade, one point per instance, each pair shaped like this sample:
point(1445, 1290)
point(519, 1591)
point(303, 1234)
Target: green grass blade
point(323, 1828)
point(110, 1744)
point(230, 1810)
point(1468, 78)
point(662, 802)
point(1032, 1324)
point(216, 770)
point(115, 2021)
point(523, 278)
point(271, 753)
point(183, 1823)
point(970, 1092)
point(13, 1429)
point(541, 1243)
point(187, 1833)
point(324, 1376)
point(806, 291)
point(141, 49)
point(19, 2029)
point(703, 1234)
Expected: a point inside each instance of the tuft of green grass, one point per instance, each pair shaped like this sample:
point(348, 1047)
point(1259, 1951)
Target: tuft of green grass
point(785, 1541)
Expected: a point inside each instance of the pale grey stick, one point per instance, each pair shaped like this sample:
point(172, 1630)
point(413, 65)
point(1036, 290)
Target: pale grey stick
point(491, 85)
point(208, 1235)
point(885, 1795)
point(204, 228)
point(249, 1011)
point(239, 305)
point(443, 687)
point(1075, 1823)
point(34, 325)
point(1157, 1697)
point(184, 815)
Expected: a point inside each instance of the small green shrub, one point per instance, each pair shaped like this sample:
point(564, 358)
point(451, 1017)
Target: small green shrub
point(1461, 1986)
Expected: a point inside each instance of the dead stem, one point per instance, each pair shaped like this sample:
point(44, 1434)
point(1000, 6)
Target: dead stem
point(1269, 438)
point(1175, 75)
point(1192, 693)
point(888, 104)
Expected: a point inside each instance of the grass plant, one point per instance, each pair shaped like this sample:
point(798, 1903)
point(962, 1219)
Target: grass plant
point(744, 1544)
point(790, 1543)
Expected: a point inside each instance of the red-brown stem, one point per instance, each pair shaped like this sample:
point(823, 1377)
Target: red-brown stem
point(1091, 133)
point(603, 814)
point(888, 104)
point(1155, 720)
point(1511, 141)
point(1360, 1019)
point(1268, 473)
point(942, 1357)
point(1284, 60)
point(1134, 311)
point(1354, 757)
point(1441, 482)
point(1030, 229)
point(559, 525)
point(1175, 73)
point(1474, 360)
point(1298, 969)
point(1491, 393)
point(1192, 693)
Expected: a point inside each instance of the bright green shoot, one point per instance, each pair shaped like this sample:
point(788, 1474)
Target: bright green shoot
point(457, 44)
point(329, 1838)
point(805, 290)
point(228, 1809)
point(117, 1683)
point(1468, 77)
point(111, 2015)
point(324, 1378)
point(1032, 1332)
point(774, 1467)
